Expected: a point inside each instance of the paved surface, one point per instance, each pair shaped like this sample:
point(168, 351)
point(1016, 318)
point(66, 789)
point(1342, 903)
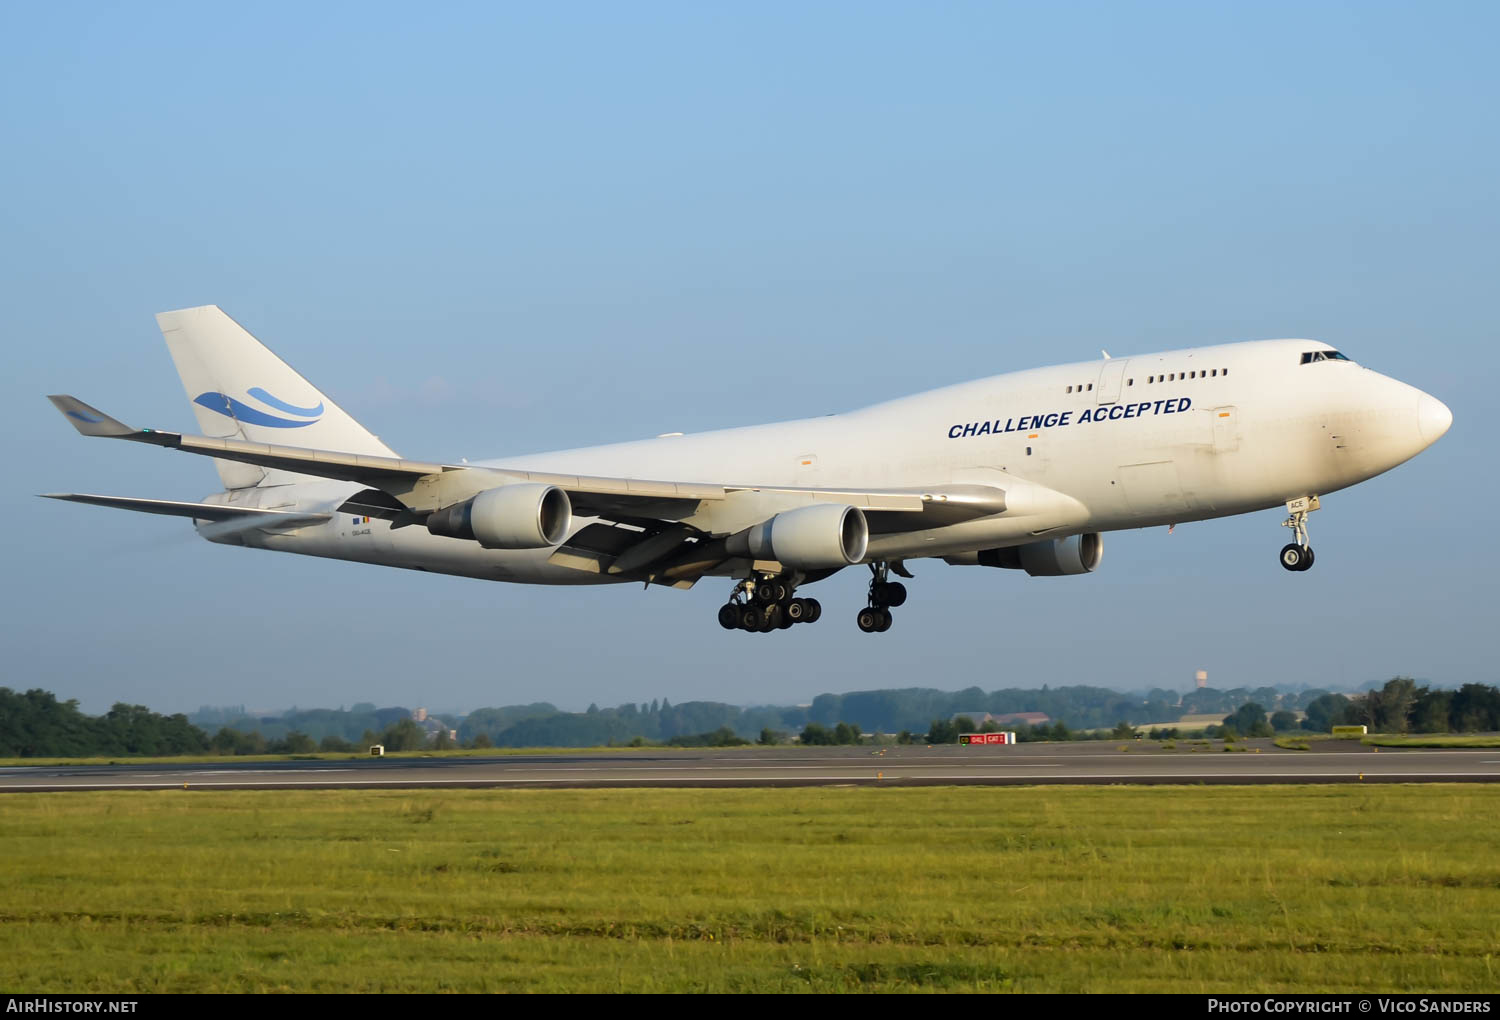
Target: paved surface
point(1094, 763)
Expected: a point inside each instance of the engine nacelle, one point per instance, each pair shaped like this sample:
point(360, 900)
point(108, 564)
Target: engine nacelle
point(808, 538)
point(527, 515)
point(1054, 557)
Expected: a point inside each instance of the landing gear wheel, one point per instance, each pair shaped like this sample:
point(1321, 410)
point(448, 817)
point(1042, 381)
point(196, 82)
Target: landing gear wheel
point(895, 594)
point(1296, 557)
point(796, 611)
point(784, 620)
point(772, 618)
point(729, 616)
point(751, 618)
point(1308, 560)
point(765, 593)
point(885, 621)
point(869, 620)
point(814, 610)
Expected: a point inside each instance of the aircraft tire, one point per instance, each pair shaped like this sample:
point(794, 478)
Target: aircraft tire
point(1293, 557)
point(751, 618)
point(885, 621)
point(729, 616)
point(868, 620)
point(895, 594)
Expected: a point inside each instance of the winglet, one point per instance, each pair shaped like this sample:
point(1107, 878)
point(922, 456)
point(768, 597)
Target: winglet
point(89, 420)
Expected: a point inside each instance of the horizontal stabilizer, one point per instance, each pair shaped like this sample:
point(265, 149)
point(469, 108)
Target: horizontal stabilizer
point(197, 511)
point(89, 420)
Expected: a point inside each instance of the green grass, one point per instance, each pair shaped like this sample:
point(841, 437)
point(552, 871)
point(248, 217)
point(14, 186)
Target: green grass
point(1061, 889)
point(1433, 740)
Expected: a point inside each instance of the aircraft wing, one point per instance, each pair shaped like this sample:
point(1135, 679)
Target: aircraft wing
point(420, 487)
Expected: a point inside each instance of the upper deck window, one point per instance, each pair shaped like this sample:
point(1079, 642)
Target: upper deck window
point(1308, 357)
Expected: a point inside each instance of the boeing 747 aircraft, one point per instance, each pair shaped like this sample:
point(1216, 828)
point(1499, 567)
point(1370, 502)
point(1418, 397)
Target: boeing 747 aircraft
point(1025, 470)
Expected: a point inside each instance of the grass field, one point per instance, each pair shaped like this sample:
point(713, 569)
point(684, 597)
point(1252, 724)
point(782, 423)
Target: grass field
point(1433, 740)
point(1326, 888)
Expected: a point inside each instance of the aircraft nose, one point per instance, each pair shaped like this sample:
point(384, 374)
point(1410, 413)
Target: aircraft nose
point(1433, 418)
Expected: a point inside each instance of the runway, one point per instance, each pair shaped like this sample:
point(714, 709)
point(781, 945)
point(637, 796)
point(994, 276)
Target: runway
point(1092, 763)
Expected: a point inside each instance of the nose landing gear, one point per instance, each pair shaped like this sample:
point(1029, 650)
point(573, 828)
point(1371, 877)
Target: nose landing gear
point(1298, 555)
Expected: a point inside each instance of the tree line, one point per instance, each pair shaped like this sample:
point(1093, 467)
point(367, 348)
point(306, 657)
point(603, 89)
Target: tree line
point(36, 724)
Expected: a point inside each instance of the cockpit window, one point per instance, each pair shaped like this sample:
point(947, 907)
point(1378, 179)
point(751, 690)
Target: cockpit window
point(1308, 357)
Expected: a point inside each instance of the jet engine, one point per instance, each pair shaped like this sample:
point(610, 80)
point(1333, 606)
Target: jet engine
point(522, 516)
point(1054, 557)
point(809, 538)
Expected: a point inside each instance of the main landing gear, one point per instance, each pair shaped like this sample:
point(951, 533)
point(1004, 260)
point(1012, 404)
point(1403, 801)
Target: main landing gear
point(884, 596)
point(1298, 555)
point(763, 604)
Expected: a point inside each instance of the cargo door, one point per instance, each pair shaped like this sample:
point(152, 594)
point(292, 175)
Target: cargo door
point(1152, 489)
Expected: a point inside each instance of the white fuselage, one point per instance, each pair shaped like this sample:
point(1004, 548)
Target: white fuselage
point(1127, 442)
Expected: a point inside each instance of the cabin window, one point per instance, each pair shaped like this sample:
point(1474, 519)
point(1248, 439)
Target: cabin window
point(1070, 389)
point(1091, 386)
point(1129, 382)
point(1226, 371)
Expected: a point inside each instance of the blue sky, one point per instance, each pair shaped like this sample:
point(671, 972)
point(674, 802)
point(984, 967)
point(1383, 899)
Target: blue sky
point(490, 229)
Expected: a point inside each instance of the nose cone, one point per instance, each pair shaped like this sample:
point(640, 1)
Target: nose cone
point(1433, 418)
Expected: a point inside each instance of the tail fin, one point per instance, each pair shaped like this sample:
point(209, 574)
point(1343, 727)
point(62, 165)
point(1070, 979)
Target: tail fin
point(238, 388)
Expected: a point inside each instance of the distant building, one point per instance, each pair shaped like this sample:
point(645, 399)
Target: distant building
point(1008, 719)
point(420, 715)
point(1202, 678)
point(1029, 718)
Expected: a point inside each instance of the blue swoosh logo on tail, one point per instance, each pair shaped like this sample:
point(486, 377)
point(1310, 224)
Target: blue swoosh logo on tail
point(222, 403)
point(282, 405)
point(83, 417)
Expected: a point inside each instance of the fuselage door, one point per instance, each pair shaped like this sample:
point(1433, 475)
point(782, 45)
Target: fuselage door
point(1226, 430)
point(1109, 380)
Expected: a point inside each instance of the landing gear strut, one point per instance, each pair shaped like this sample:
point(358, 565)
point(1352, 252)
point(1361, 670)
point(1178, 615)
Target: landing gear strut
point(765, 603)
point(884, 596)
point(1298, 555)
